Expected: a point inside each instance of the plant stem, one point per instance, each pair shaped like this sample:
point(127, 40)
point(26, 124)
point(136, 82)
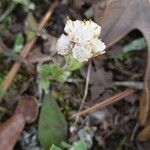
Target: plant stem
point(85, 91)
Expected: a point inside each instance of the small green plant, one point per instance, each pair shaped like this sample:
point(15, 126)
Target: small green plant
point(80, 44)
point(54, 147)
point(77, 145)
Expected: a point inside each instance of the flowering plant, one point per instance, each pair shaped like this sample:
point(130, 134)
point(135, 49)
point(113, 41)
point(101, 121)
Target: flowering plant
point(81, 41)
point(79, 44)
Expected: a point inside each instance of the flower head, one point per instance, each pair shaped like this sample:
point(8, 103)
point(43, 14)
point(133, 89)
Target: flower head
point(81, 40)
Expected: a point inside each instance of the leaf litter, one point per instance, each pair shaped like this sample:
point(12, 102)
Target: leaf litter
point(111, 131)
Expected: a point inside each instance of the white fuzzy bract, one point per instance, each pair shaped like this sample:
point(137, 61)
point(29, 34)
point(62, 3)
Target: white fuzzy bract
point(81, 40)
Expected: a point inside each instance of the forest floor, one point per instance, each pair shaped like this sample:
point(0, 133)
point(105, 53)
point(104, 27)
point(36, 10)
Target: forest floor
point(122, 67)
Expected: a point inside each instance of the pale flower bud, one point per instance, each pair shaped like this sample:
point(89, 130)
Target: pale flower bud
point(98, 47)
point(63, 45)
point(81, 52)
point(81, 40)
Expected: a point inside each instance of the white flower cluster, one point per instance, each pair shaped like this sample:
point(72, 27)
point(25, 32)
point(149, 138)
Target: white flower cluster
point(81, 40)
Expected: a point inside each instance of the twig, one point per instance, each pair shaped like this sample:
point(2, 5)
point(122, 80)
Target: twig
point(85, 91)
point(39, 59)
point(130, 84)
point(105, 103)
point(13, 71)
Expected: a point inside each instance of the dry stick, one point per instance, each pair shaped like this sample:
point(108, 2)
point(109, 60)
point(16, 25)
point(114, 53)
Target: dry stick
point(39, 59)
point(13, 71)
point(105, 103)
point(85, 91)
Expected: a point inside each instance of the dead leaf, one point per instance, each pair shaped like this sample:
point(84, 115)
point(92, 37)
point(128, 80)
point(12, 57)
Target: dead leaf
point(145, 134)
point(28, 106)
point(26, 112)
point(79, 4)
point(121, 17)
point(50, 45)
point(143, 145)
point(99, 80)
point(97, 8)
point(10, 131)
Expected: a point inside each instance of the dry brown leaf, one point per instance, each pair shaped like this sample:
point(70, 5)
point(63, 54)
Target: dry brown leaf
point(50, 45)
point(145, 134)
point(26, 112)
point(99, 81)
point(121, 17)
point(10, 131)
point(28, 106)
point(97, 8)
point(143, 145)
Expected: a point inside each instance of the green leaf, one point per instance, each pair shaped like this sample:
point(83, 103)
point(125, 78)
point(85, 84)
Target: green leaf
point(18, 43)
point(23, 2)
point(58, 74)
point(137, 44)
point(72, 64)
point(52, 125)
point(2, 91)
point(26, 3)
point(51, 72)
point(43, 84)
point(53, 147)
point(44, 78)
point(66, 145)
point(32, 27)
point(79, 145)
point(7, 11)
